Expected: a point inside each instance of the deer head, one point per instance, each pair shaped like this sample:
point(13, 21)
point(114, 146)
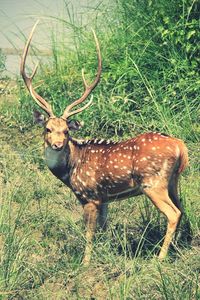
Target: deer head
point(57, 128)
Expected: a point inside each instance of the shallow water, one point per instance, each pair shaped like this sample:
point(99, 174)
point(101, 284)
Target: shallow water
point(13, 64)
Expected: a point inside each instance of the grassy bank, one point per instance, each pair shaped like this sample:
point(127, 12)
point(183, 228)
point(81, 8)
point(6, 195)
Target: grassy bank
point(150, 82)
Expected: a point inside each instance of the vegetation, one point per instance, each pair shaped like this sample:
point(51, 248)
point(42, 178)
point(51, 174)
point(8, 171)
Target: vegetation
point(2, 61)
point(150, 81)
point(2, 66)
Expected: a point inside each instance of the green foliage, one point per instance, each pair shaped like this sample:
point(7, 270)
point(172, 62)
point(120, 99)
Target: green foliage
point(2, 66)
point(150, 71)
point(2, 61)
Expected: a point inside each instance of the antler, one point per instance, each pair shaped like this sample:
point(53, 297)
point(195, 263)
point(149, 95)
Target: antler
point(28, 79)
point(88, 88)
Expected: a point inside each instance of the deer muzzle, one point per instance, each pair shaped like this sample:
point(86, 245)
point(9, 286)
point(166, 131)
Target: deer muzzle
point(57, 146)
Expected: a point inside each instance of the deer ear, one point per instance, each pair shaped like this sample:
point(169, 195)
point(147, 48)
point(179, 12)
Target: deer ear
point(74, 125)
point(39, 118)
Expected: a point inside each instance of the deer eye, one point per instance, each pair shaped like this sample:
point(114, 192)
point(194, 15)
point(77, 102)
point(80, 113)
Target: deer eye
point(65, 132)
point(48, 130)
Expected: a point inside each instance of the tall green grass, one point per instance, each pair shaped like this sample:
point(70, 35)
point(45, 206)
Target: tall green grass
point(150, 70)
point(42, 239)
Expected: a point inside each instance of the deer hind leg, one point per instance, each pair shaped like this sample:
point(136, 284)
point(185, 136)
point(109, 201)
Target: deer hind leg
point(161, 200)
point(90, 217)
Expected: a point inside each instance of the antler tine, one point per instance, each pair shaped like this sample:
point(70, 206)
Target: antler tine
point(74, 112)
point(88, 88)
point(28, 79)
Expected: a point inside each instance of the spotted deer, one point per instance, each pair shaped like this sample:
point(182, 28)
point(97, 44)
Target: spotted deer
point(100, 171)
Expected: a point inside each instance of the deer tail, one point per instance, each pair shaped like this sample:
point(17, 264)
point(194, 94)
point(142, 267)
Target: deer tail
point(184, 159)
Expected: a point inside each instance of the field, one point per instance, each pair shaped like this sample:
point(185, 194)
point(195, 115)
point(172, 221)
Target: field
point(150, 81)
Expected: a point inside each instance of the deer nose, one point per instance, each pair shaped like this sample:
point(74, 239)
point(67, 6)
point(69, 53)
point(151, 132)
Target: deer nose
point(57, 146)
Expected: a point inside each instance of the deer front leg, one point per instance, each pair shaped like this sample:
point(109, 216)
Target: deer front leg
point(90, 218)
point(103, 211)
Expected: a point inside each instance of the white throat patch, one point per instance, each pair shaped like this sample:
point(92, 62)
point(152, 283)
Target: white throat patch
point(55, 159)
